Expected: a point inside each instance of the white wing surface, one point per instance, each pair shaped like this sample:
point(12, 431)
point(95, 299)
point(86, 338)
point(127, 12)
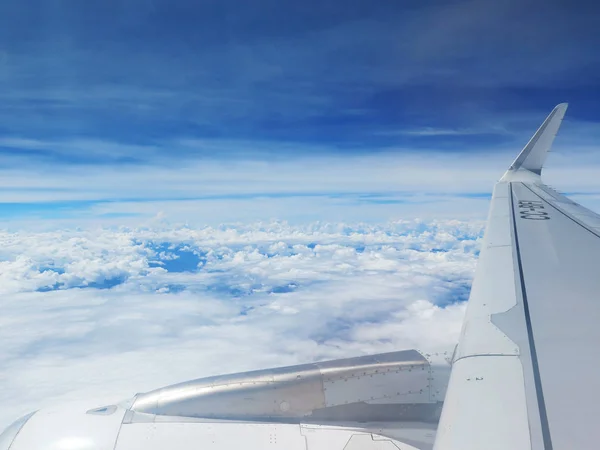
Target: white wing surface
point(526, 370)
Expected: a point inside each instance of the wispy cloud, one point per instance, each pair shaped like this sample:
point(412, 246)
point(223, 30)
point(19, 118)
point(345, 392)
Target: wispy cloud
point(310, 186)
point(432, 132)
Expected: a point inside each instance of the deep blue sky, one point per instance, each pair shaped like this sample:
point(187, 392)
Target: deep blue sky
point(335, 76)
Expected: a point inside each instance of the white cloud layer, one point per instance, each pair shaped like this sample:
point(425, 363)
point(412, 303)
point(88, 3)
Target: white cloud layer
point(107, 313)
point(385, 186)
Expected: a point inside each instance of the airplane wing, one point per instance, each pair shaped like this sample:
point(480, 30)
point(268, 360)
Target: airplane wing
point(526, 371)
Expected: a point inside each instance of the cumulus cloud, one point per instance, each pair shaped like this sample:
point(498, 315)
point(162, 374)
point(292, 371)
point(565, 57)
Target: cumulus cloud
point(108, 313)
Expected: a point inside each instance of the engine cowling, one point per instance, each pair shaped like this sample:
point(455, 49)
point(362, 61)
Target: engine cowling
point(321, 405)
point(398, 386)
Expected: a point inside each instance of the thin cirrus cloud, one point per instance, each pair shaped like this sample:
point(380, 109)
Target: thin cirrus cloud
point(379, 187)
point(112, 312)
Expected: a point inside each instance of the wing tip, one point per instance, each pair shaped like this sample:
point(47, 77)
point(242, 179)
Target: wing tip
point(562, 107)
point(533, 155)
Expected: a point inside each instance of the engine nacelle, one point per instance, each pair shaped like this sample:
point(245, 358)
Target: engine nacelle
point(312, 406)
point(398, 386)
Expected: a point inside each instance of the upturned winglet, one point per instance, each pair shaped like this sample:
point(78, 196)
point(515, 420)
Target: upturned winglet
point(534, 154)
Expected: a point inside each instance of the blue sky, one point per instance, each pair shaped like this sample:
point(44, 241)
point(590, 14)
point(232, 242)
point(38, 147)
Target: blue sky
point(198, 187)
point(99, 87)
